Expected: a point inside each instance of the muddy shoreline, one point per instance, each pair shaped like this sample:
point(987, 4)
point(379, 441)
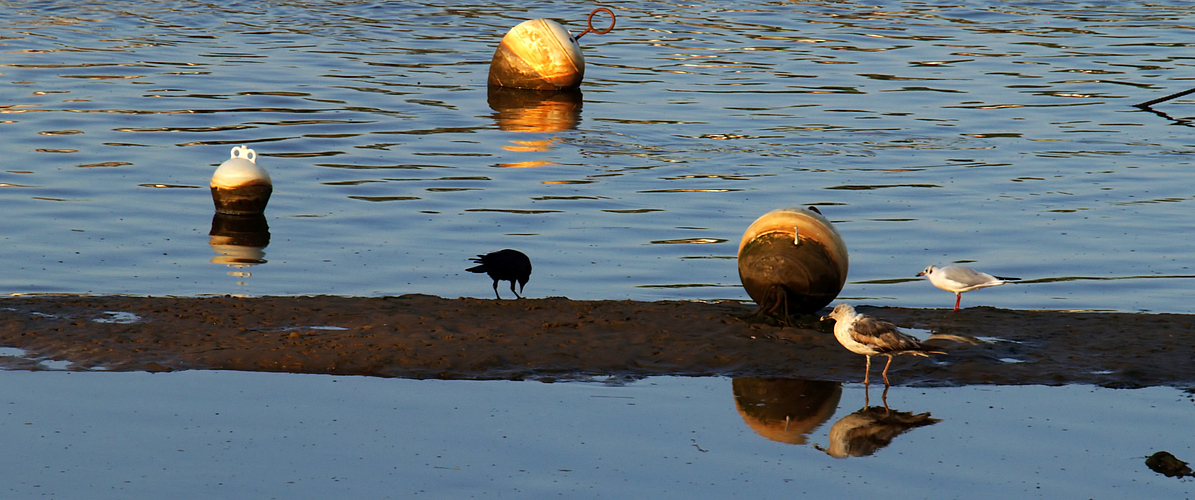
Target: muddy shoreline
point(421, 336)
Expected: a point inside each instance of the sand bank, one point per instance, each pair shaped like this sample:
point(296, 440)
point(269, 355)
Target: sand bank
point(421, 336)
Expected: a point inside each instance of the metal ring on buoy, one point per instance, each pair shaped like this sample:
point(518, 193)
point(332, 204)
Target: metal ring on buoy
point(590, 23)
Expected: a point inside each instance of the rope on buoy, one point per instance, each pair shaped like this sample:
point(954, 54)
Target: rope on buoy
point(590, 23)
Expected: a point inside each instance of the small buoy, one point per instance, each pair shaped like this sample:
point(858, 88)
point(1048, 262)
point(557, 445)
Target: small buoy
point(540, 54)
point(240, 186)
point(239, 240)
point(792, 261)
point(518, 110)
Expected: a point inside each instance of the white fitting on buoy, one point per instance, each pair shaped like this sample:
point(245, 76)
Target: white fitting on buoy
point(240, 186)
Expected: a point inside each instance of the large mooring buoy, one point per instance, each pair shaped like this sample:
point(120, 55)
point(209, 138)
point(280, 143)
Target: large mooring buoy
point(792, 261)
point(240, 186)
point(540, 54)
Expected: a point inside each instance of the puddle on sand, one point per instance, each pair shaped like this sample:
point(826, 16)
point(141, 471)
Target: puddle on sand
point(203, 433)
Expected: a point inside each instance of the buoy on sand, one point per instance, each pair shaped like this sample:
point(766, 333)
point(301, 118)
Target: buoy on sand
point(240, 186)
point(792, 261)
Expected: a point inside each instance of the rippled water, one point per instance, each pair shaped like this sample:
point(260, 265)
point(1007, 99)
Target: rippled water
point(998, 134)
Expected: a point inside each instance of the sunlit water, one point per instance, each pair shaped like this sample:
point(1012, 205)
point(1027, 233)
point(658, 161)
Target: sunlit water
point(256, 435)
point(997, 134)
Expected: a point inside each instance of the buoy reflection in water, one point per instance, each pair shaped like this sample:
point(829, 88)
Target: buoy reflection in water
point(522, 110)
point(792, 260)
point(239, 240)
point(785, 410)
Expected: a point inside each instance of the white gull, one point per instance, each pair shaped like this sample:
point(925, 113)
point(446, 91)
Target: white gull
point(959, 279)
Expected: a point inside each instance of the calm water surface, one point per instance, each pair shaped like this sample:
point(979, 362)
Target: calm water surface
point(998, 134)
point(258, 435)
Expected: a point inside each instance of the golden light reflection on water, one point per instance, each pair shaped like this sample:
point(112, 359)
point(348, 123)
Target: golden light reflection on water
point(527, 164)
point(520, 110)
point(541, 145)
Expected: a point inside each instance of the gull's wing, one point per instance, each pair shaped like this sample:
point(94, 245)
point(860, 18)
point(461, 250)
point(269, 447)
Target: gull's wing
point(882, 335)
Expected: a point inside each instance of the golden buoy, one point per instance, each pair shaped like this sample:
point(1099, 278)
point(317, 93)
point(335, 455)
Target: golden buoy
point(540, 54)
point(792, 261)
point(240, 186)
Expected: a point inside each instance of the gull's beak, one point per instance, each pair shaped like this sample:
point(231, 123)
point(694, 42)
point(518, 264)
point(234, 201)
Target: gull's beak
point(922, 273)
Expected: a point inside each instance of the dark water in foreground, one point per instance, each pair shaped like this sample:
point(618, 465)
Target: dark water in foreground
point(999, 134)
point(247, 435)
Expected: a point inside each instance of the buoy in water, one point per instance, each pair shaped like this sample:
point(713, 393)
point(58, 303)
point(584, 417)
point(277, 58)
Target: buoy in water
point(540, 54)
point(240, 186)
point(792, 261)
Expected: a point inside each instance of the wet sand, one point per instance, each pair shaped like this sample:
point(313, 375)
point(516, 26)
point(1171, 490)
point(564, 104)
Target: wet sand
point(421, 336)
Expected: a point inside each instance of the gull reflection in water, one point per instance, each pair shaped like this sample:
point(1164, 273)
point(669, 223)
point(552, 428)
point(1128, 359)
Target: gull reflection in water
point(864, 432)
point(785, 410)
point(239, 241)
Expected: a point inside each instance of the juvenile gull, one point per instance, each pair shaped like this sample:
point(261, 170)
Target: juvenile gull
point(863, 334)
point(509, 265)
point(959, 279)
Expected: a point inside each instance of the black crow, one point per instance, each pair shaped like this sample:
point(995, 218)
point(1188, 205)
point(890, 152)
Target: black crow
point(509, 265)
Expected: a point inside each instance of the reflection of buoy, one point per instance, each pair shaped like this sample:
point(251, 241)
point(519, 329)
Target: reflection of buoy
point(239, 240)
point(518, 110)
point(792, 260)
point(540, 54)
point(240, 186)
point(785, 410)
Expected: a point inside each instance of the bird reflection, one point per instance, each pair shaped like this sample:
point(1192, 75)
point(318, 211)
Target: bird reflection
point(864, 432)
point(785, 410)
point(239, 240)
point(1166, 464)
point(521, 110)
